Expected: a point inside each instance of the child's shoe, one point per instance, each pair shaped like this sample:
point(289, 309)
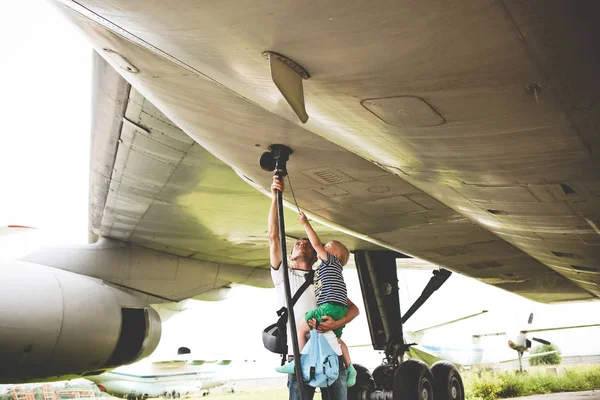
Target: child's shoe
point(288, 368)
point(350, 376)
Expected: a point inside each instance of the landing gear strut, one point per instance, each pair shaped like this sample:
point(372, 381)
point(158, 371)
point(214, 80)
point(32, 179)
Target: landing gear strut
point(396, 378)
point(521, 370)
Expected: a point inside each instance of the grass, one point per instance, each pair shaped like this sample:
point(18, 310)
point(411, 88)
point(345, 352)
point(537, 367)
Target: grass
point(271, 394)
point(481, 385)
point(487, 385)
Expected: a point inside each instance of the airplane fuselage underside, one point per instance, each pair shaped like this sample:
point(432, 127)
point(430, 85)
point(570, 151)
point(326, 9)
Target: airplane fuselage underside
point(474, 123)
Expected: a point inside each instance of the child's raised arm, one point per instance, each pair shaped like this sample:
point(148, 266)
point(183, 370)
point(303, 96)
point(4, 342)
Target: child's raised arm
point(312, 236)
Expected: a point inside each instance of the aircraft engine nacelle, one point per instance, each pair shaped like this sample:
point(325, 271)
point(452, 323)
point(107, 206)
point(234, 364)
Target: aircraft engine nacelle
point(57, 324)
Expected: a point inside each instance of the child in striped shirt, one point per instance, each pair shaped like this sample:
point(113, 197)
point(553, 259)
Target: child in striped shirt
point(330, 292)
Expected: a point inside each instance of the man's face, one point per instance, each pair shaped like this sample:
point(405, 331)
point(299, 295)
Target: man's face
point(302, 250)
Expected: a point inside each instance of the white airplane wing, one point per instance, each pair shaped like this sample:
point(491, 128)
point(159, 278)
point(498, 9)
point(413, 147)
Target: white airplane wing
point(449, 322)
point(489, 334)
point(201, 359)
point(528, 355)
point(557, 328)
point(474, 149)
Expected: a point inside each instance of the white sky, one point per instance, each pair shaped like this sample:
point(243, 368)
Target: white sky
point(45, 91)
point(45, 95)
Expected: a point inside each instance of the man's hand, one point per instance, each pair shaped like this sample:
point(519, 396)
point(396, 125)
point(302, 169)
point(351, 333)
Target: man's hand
point(273, 225)
point(327, 325)
point(277, 185)
point(302, 218)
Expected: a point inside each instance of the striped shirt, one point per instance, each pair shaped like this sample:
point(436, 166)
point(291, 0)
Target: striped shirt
point(329, 282)
point(305, 303)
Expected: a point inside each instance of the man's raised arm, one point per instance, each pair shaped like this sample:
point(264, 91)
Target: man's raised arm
point(273, 224)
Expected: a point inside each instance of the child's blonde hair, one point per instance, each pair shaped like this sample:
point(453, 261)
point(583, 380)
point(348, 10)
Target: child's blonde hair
point(344, 255)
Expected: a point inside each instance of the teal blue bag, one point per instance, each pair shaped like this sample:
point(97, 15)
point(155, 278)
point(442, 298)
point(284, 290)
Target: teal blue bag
point(320, 364)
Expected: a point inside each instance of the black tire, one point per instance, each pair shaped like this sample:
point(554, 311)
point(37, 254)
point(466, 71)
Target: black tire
point(413, 381)
point(383, 376)
point(448, 383)
point(364, 382)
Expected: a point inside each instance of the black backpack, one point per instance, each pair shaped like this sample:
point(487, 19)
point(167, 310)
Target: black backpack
point(275, 335)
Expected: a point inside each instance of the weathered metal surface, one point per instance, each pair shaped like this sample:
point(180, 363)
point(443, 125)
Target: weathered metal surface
point(489, 179)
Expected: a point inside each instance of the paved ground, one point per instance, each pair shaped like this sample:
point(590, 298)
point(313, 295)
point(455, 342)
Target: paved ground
point(588, 395)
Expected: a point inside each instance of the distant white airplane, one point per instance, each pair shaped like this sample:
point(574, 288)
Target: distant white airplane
point(168, 385)
point(479, 352)
point(168, 379)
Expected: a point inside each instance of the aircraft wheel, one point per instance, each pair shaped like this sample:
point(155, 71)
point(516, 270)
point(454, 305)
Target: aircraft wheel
point(448, 383)
point(364, 383)
point(176, 395)
point(384, 377)
point(168, 395)
point(413, 381)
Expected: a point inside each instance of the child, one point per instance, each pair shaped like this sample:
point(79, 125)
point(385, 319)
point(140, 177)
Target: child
point(330, 292)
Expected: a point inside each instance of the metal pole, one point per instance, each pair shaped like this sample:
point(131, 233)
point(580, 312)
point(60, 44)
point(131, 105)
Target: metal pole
point(275, 160)
point(288, 295)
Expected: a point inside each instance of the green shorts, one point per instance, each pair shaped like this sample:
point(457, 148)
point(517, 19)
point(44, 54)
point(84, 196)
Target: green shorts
point(334, 310)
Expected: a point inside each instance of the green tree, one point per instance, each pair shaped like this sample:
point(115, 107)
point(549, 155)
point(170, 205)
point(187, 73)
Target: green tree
point(546, 359)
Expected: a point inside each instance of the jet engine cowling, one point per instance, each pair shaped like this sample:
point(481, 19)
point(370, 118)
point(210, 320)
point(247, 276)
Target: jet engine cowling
point(56, 324)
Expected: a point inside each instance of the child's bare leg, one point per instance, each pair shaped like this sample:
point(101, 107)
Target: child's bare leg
point(350, 370)
point(303, 330)
point(345, 352)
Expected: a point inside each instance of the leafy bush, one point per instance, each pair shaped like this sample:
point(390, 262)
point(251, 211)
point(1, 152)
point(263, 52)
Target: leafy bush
point(488, 385)
point(546, 359)
point(484, 385)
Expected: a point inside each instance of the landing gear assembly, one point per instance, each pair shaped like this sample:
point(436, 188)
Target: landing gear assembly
point(396, 378)
point(171, 395)
point(133, 396)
